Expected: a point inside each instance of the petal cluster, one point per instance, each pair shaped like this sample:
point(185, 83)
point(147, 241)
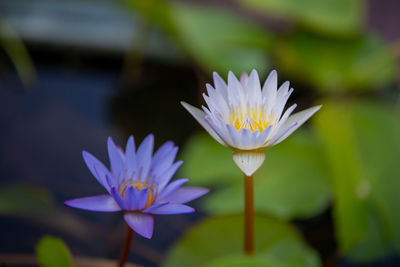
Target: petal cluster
point(138, 183)
point(245, 117)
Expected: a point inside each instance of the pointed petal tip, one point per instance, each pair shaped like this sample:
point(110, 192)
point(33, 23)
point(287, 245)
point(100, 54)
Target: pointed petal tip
point(254, 72)
point(84, 153)
point(186, 105)
point(249, 161)
point(150, 136)
point(131, 138)
point(110, 140)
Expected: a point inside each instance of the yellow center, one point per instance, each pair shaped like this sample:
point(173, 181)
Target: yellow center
point(137, 186)
point(253, 118)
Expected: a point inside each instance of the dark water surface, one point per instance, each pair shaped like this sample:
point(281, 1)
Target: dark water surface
point(45, 128)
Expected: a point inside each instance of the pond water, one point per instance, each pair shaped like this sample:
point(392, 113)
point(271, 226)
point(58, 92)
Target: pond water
point(69, 109)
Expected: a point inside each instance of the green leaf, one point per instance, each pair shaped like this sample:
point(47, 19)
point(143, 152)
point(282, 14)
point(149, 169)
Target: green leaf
point(208, 163)
point(218, 241)
point(301, 190)
point(52, 252)
point(214, 37)
point(25, 200)
point(155, 11)
point(241, 260)
point(17, 52)
point(328, 16)
point(220, 40)
point(362, 142)
point(337, 65)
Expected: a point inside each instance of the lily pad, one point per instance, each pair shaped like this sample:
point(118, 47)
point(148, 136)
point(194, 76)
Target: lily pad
point(218, 241)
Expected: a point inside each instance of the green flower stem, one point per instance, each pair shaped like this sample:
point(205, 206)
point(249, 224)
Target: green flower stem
point(248, 215)
point(127, 247)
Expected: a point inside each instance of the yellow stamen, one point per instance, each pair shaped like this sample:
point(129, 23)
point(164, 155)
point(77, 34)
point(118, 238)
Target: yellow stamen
point(138, 186)
point(254, 119)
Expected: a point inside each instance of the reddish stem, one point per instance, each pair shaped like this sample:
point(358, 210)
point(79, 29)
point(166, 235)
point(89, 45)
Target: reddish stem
point(127, 247)
point(248, 215)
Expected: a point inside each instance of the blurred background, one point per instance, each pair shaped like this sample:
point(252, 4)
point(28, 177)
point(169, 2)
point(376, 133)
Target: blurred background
point(73, 72)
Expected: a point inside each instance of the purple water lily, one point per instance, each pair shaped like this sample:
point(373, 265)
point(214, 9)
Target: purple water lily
point(139, 184)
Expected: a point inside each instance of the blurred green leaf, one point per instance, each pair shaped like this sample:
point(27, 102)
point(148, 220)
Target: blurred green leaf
point(221, 40)
point(328, 16)
point(52, 252)
point(362, 142)
point(216, 38)
point(156, 11)
point(241, 260)
point(24, 200)
point(291, 183)
point(218, 241)
point(208, 163)
point(337, 64)
point(17, 52)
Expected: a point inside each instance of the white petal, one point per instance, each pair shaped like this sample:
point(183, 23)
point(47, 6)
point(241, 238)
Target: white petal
point(218, 99)
point(219, 128)
point(249, 161)
point(220, 86)
point(281, 99)
point(269, 90)
point(235, 91)
point(248, 139)
point(199, 116)
point(284, 118)
point(244, 78)
point(254, 89)
point(264, 136)
point(235, 136)
point(299, 118)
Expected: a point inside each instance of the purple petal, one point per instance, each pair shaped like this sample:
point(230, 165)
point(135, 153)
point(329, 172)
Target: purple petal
point(171, 188)
point(163, 158)
point(118, 198)
point(130, 155)
point(104, 203)
point(136, 199)
point(116, 160)
point(154, 206)
point(186, 194)
point(161, 152)
point(173, 209)
point(163, 179)
point(141, 223)
point(97, 168)
point(143, 155)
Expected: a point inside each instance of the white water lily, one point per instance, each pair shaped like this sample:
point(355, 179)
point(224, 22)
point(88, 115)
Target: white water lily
point(247, 118)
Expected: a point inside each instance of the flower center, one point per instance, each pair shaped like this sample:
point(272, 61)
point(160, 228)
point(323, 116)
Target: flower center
point(138, 186)
point(252, 118)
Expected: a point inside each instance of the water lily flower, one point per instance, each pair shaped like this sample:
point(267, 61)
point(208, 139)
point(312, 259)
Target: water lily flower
point(138, 183)
point(247, 118)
